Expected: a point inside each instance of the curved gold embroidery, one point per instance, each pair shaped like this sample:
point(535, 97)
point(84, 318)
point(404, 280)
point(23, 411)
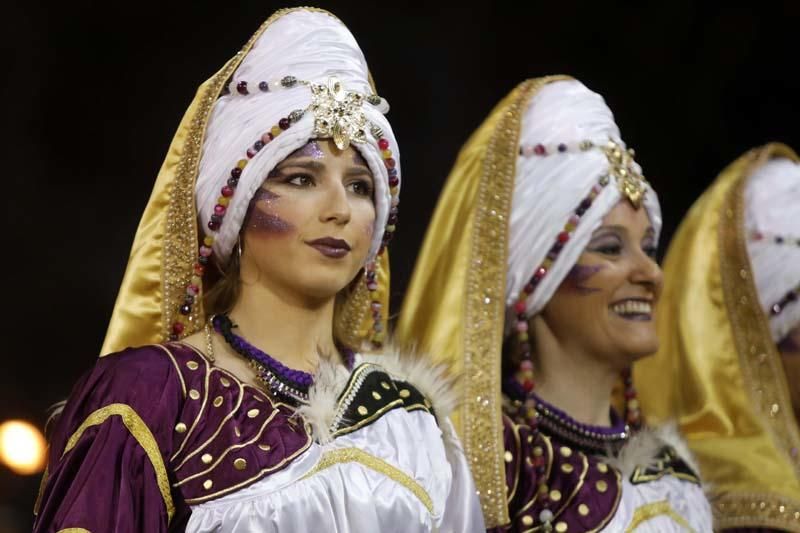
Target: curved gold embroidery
point(652, 510)
point(192, 501)
point(175, 364)
point(354, 455)
point(518, 470)
point(229, 449)
point(225, 419)
point(74, 530)
point(613, 510)
point(207, 370)
point(549, 446)
point(143, 436)
point(377, 414)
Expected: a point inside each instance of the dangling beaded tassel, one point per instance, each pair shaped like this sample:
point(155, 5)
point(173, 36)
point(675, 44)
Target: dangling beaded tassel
point(371, 275)
point(633, 416)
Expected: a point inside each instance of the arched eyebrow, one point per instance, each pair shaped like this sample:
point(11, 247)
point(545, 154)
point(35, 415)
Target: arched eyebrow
point(317, 166)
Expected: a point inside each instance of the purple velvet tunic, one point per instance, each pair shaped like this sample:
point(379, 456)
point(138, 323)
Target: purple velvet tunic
point(151, 430)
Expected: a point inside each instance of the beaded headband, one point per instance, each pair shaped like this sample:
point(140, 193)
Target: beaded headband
point(338, 115)
point(633, 186)
point(630, 181)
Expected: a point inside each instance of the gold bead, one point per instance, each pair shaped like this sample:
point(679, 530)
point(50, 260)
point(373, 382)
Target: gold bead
point(555, 495)
point(583, 509)
point(192, 365)
point(239, 464)
point(527, 520)
point(252, 413)
point(567, 468)
point(362, 410)
point(543, 489)
point(180, 427)
point(225, 382)
point(206, 458)
point(565, 451)
point(602, 468)
point(194, 395)
point(218, 401)
point(537, 451)
point(385, 385)
point(207, 484)
point(601, 486)
point(561, 527)
point(508, 457)
point(376, 395)
point(405, 393)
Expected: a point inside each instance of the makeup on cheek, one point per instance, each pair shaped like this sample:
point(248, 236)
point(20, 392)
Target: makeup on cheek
point(260, 220)
point(579, 275)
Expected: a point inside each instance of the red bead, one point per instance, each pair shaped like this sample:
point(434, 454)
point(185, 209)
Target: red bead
point(394, 181)
point(390, 163)
point(177, 328)
point(630, 394)
point(241, 87)
point(283, 123)
point(527, 385)
point(199, 269)
point(250, 153)
point(220, 210)
point(519, 307)
point(383, 144)
point(539, 149)
point(227, 191)
point(563, 237)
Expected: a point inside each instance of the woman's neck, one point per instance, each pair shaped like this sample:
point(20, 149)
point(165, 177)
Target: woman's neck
point(572, 380)
point(295, 332)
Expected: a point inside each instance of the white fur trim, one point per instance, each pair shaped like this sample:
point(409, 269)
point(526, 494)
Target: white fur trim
point(643, 447)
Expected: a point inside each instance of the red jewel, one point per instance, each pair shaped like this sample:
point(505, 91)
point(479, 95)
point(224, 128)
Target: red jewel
point(199, 269)
point(219, 210)
point(177, 328)
point(241, 87)
point(394, 181)
point(539, 149)
point(519, 307)
point(250, 153)
point(390, 163)
point(563, 237)
point(383, 144)
point(227, 192)
point(528, 288)
point(527, 385)
point(283, 124)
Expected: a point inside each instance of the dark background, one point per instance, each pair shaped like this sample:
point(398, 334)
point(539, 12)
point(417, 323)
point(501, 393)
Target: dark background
point(93, 93)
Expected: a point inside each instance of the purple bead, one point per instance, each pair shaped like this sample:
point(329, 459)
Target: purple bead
point(185, 309)
point(562, 147)
point(213, 225)
point(233, 182)
point(393, 219)
point(392, 172)
point(258, 145)
point(241, 87)
point(283, 124)
point(236, 172)
point(263, 86)
point(216, 218)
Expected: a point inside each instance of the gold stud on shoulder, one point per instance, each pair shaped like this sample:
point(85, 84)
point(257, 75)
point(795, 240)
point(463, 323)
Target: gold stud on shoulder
point(583, 509)
point(207, 484)
point(239, 464)
point(362, 410)
point(252, 413)
point(405, 393)
point(180, 427)
point(565, 451)
point(218, 401)
point(206, 458)
point(527, 520)
point(194, 394)
point(192, 365)
point(376, 395)
point(601, 486)
point(508, 456)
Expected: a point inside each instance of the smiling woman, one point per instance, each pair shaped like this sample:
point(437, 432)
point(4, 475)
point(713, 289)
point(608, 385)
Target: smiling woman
point(259, 396)
point(548, 223)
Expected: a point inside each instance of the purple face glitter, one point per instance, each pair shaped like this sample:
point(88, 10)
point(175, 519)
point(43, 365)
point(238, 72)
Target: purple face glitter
point(260, 220)
point(310, 149)
point(579, 275)
point(358, 159)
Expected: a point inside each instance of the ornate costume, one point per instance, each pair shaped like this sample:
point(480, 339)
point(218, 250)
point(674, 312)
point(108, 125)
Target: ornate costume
point(731, 273)
point(158, 438)
point(519, 207)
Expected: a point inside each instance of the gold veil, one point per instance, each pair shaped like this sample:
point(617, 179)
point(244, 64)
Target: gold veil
point(454, 308)
point(727, 387)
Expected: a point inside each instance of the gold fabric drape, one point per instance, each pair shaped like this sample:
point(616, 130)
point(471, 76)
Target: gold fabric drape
point(454, 307)
point(725, 385)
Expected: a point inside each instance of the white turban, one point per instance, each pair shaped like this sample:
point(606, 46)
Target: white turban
point(547, 190)
point(312, 46)
point(772, 209)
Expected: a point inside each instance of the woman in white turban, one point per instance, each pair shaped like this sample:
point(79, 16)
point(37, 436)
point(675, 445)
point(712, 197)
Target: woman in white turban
point(537, 281)
point(730, 320)
point(257, 275)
